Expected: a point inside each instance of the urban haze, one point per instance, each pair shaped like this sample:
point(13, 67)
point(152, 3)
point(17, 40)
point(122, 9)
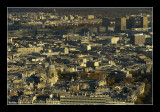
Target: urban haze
point(79, 56)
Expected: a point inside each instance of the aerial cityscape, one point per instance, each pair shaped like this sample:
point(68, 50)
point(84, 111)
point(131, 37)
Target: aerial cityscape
point(79, 56)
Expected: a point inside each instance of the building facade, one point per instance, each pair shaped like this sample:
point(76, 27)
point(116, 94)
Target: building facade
point(137, 39)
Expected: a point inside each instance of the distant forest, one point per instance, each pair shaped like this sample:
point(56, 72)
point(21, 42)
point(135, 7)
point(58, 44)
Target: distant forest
point(100, 12)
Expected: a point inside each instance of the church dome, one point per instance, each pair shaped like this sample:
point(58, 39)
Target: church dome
point(51, 66)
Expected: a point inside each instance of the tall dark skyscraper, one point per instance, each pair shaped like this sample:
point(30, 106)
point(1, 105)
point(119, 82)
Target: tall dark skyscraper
point(105, 22)
point(130, 23)
point(120, 24)
point(137, 22)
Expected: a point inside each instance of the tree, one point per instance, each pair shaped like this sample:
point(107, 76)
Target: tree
point(138, 78)
point(109, 81)
point(145, 80)
point(150, 101)
point(83, 75)
point(139, 101)
point(125, 80)
point(96, 76)
point(113, 80)
point(146, 92)
point(131, 80)
point(148, 86)
point(142, 96)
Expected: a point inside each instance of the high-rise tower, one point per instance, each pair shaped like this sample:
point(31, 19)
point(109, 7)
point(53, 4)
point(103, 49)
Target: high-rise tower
point(120, 24)
point(144, 22)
